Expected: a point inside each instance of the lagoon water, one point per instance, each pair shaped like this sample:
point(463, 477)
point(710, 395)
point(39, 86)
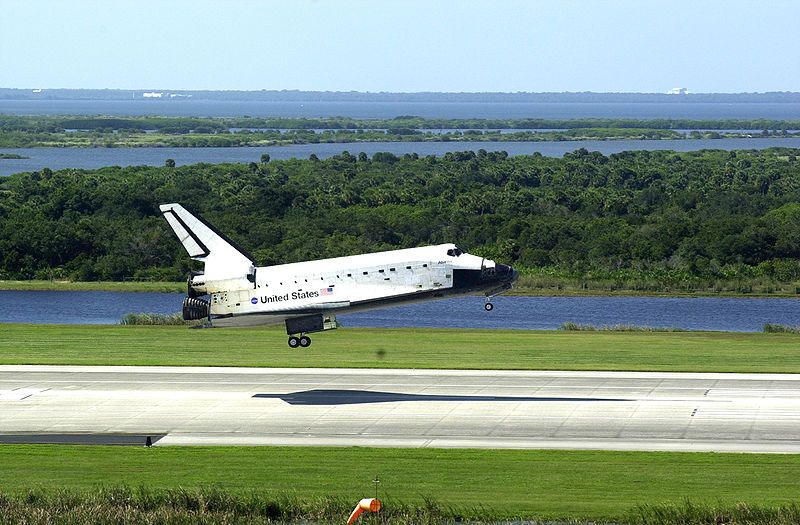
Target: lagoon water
point(89, 158)
point(511, 312)
point(387, 110)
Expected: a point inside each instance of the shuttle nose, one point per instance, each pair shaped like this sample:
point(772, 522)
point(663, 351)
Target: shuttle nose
point(505, 273)
point(497, 278)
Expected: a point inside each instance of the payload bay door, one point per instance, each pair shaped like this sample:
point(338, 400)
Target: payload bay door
point(432, 276)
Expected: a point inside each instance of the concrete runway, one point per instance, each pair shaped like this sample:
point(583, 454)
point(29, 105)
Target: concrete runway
point(404, 408)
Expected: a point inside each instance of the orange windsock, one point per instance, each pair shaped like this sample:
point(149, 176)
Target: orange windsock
point(366, 504)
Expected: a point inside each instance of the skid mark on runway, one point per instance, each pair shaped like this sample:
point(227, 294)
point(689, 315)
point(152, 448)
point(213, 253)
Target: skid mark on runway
point(19, 394)
point(354, 397)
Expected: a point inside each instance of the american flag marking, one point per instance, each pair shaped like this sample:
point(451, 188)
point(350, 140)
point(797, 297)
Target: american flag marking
point(326, 291)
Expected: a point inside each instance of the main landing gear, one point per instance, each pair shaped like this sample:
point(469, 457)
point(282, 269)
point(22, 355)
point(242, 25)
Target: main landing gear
point(488, 306)
point(298, 327)
point(303, 341)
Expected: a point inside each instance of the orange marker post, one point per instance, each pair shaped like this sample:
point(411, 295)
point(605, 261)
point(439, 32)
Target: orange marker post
point(366, 504)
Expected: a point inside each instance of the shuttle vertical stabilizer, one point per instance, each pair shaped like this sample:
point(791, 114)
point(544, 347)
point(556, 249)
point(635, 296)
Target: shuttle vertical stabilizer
point(222, 258)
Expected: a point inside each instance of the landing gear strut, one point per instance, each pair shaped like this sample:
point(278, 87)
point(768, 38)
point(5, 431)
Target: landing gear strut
point(303, 341)
point(491, 294)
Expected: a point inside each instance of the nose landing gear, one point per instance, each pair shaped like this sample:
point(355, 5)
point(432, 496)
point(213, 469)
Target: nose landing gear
point(491, 294)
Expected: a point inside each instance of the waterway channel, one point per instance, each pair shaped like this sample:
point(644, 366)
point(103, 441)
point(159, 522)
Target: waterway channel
point(511, 312)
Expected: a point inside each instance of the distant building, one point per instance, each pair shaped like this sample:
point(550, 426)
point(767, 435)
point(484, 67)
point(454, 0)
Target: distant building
point(152, 94)
point(678, 91)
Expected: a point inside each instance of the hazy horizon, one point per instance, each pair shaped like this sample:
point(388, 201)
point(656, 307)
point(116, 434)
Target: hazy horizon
point(367, 92)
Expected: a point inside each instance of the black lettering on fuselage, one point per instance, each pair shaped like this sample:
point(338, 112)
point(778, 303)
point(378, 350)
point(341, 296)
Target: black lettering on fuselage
point(286, 297)
point(274, 298)
point(304, 295)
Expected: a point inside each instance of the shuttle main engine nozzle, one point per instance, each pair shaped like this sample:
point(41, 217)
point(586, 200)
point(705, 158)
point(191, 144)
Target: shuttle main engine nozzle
point(195, 308)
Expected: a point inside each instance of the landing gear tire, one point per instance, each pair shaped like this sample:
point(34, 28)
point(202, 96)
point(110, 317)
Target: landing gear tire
point(305, 341)
point(488, 307)
point(294, 342)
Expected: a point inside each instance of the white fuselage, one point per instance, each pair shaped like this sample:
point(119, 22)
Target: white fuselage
point(340, 285)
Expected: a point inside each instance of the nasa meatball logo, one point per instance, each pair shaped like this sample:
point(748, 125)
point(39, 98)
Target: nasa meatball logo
point(254, 300)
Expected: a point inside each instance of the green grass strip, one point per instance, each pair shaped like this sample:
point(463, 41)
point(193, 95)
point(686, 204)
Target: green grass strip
point(402, 348)
point(497, 483)
point(93, 286)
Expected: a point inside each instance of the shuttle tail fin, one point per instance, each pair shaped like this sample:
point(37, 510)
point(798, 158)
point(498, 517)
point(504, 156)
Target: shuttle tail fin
point(222, 257)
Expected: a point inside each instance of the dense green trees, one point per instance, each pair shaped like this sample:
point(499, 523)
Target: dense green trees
point(662, 214)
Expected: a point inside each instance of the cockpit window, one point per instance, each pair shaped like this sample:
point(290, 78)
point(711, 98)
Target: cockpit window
point(454, 252)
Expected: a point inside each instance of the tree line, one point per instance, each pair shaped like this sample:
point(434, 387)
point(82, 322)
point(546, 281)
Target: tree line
point(659, 213)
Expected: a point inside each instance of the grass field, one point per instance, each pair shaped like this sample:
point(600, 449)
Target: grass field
point(83, 286)
point(620, 487)
point(402, 348)
point(501, 483)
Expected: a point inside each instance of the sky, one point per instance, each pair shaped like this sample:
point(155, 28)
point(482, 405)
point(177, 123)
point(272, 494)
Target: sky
point(402, 45)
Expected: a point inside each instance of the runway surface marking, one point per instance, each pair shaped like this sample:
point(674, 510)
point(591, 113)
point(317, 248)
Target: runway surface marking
point(405, 408)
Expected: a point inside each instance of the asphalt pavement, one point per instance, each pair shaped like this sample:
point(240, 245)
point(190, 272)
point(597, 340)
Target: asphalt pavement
point(401, 408)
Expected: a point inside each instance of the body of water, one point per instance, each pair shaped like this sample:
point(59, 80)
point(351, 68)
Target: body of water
point(90, 158)
point(511, 312)
point(387, 110)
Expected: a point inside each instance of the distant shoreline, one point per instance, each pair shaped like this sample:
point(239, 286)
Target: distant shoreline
point(356, 96)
